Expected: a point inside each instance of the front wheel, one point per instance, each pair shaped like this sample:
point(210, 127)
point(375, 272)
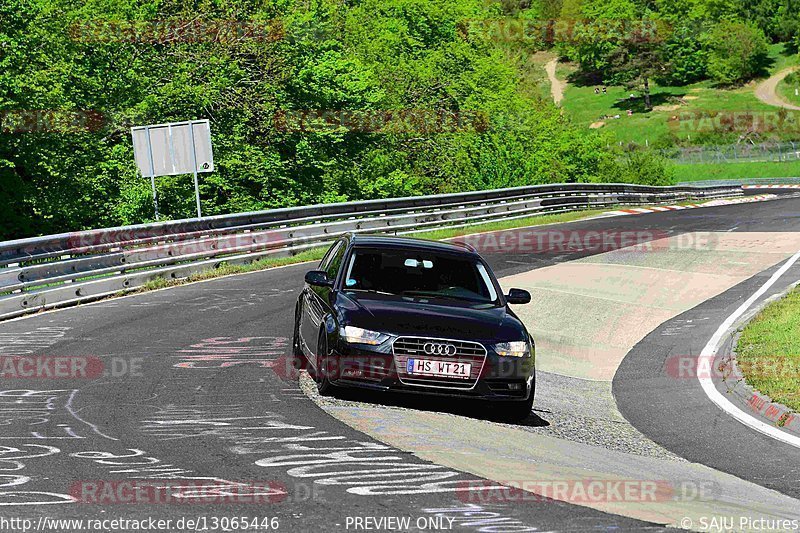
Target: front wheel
point(324, 368)
point(516, 412)
point(519, 411)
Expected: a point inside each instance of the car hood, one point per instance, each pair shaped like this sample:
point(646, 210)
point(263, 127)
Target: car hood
point(433, 318)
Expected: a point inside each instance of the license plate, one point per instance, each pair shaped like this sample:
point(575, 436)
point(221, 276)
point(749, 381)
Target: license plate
point(448, 369)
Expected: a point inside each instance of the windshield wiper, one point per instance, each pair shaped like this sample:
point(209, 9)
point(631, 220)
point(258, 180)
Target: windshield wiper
point(372, 291)
point(444, 296)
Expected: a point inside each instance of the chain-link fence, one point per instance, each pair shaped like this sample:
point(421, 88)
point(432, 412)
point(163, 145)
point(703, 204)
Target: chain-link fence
point(735, 153)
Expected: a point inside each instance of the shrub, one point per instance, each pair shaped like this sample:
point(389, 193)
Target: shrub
point(645, 167)
point(737, 52)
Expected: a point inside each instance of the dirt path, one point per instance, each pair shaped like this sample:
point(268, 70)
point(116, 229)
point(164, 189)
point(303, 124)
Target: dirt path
point(556, 85)
point(767, 90)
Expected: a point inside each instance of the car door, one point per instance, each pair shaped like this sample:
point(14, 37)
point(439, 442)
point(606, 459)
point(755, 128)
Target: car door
point(316, 299)
point(308, 320)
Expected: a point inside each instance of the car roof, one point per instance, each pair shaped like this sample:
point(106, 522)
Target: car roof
point(385, 241)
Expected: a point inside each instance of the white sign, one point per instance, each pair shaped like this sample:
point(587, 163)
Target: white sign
point(170, 149)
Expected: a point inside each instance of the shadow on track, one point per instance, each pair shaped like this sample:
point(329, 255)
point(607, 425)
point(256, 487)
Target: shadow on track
point(289, 368)
point(456, 406)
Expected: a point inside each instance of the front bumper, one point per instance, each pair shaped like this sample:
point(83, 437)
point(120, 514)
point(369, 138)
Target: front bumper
point(498, 379)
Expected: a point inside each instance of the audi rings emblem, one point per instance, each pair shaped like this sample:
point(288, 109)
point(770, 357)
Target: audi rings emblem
point(435, 348)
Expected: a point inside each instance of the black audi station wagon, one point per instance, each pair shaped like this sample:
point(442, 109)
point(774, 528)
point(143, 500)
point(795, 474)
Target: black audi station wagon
point(415, 316)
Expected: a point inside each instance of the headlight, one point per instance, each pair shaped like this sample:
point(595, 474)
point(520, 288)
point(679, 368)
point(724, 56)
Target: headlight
point(355, 335)
point(512, 349)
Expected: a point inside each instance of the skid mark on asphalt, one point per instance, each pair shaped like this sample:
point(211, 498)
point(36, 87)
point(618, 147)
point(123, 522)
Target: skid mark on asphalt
point(15, 486)
point(299, 448)
point(225, 352)
point(306, 452)
point(36, 426)
point(33, 341)
point(49, 415)
point(329, 460)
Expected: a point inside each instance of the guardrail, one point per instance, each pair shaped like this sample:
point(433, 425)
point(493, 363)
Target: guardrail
point(69, 268)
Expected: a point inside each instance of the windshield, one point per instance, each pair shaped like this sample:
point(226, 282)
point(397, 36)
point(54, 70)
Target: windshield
point(420, 274)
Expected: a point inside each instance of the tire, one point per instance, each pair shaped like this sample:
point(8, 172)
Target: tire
point(519, 411)
point(297, 351)
point(296, 360)
point(322, 372)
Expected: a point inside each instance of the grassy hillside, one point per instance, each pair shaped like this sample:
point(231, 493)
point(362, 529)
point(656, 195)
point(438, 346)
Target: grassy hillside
point(787, 91)
point(663, 124)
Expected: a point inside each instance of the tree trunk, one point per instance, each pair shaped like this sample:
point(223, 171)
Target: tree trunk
point(647, 105)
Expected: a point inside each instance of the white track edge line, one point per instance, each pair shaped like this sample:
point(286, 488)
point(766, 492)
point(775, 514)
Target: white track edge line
point(710, 351)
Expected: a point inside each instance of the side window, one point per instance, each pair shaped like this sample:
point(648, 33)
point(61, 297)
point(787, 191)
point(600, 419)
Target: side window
point(326, 260)
point(335, 261)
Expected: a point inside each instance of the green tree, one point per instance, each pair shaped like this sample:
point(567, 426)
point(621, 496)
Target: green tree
point(737, 52)
point(786, 22)
point(719, 10)
point(778, 19)
point(602, 29)
point(638, 59)
point(483, 122)
point(687, 58)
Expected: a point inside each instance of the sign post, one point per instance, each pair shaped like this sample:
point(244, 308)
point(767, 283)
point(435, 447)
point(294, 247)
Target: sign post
point(172, 149)
point(152, 174)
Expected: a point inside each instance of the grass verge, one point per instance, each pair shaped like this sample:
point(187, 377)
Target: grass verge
point(732, 171)
point(768, 351)
point(225, 269)
point(315, 254)
point(787, 91)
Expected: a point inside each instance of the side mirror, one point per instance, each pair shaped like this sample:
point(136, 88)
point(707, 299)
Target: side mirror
point(318, 278)
point(518, 297)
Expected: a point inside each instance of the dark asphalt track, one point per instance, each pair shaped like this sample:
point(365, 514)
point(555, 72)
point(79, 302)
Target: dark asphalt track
point(675, 411)
point(216, 417)
point(204, 402)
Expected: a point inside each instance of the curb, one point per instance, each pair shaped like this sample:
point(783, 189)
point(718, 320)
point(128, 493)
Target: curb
point(770, 186)
point(758, 404)
point(711, 203)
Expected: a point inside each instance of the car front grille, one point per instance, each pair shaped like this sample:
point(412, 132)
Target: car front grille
point(473, 353)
